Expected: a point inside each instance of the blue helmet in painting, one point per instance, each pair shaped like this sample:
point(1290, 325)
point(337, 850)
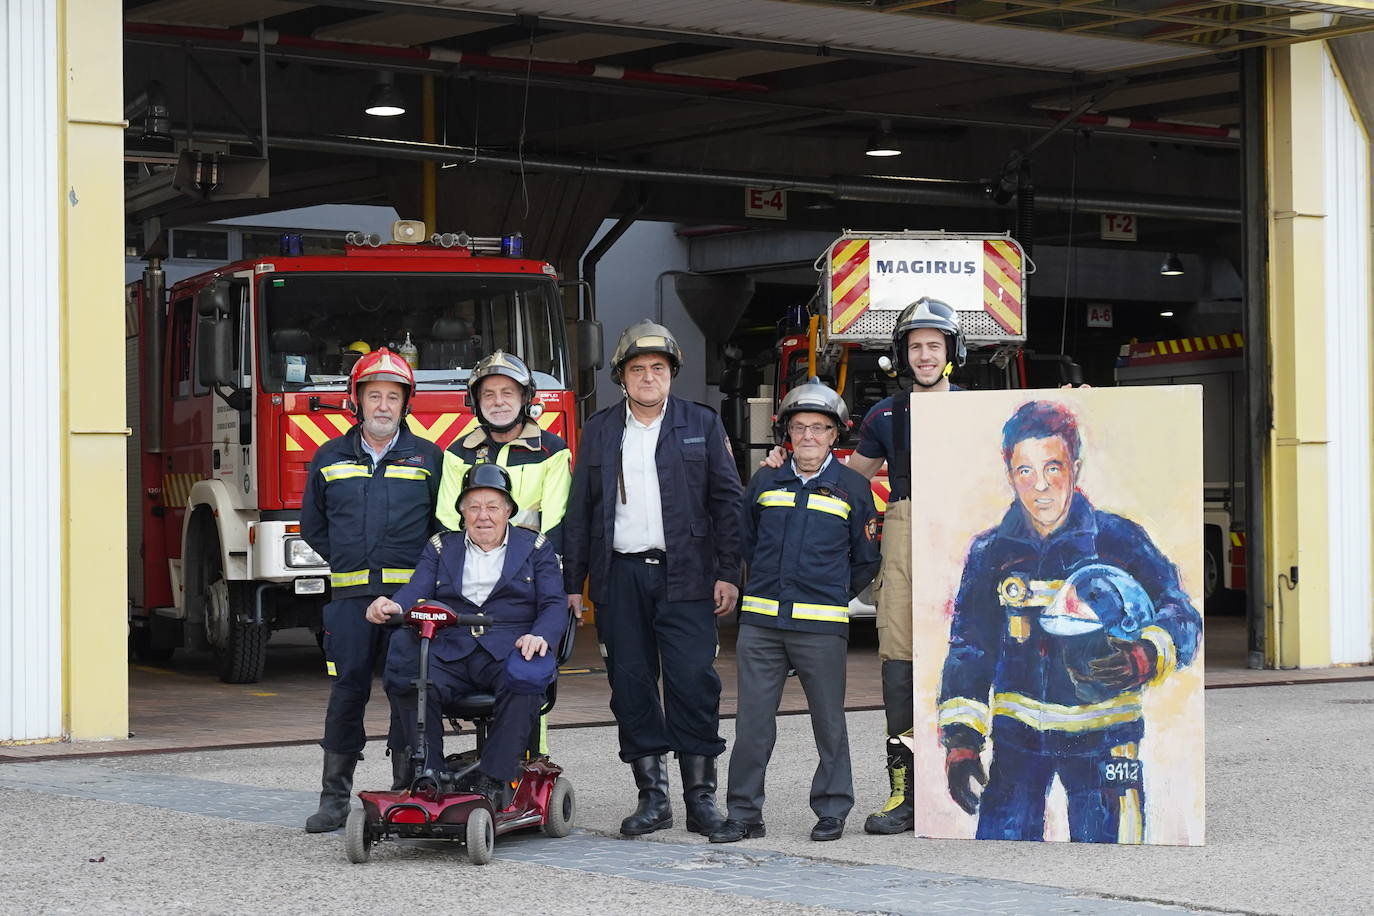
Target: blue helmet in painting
point(1099, 599)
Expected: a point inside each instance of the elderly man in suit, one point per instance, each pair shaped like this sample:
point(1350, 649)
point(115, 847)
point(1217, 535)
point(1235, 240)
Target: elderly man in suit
point(493, 568)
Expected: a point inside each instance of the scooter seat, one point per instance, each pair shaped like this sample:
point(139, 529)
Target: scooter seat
point(471, 704)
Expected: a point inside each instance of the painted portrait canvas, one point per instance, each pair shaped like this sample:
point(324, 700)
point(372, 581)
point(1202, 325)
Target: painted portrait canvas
point(1057, 611)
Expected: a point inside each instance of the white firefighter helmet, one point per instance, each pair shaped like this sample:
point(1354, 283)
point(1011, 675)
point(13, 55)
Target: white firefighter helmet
point(1099, 598)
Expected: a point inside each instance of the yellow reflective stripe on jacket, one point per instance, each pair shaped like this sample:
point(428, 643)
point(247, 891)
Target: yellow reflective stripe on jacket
point(773, 499)
point(828, 504)
point(1043, 716)
point(831, 613)
point(334, 472)
point(965, 711)
point(755, 605)
point(397, 576)
point(1164, 646)
point(348, 579)
point(406, 472)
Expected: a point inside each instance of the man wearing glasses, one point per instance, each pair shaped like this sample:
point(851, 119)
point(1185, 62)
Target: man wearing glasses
point(810, 539)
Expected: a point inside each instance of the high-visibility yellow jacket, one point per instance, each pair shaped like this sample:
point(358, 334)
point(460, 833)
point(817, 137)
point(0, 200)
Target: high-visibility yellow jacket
point(540, 467)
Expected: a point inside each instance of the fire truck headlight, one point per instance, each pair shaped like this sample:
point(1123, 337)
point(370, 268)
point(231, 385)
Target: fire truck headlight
point(298, 553)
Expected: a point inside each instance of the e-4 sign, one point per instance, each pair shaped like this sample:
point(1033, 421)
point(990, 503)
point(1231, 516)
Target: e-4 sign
point(765, 203)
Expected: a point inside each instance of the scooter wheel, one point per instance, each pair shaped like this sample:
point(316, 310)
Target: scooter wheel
point(481, 836)
point(562, 809)
point(357, 837)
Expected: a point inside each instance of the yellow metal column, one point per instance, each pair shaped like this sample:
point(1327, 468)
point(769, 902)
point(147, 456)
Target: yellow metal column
point(1298, 478)
point(90, 237)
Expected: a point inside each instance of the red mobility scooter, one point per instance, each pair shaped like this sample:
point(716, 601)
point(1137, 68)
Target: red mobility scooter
point(432, 807)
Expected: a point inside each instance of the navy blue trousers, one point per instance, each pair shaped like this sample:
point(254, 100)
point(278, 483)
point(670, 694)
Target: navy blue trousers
point(642, 633)
point(352, 648)
point(1013, 805)
point(513, 716)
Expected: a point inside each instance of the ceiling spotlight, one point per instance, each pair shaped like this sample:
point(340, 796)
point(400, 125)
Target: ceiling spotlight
point(157, 120)
point(1172, 266)
point(384, 101)
point(1166, 314)
point(882, 142)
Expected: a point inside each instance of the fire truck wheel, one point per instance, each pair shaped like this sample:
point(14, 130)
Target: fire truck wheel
point(242, 654)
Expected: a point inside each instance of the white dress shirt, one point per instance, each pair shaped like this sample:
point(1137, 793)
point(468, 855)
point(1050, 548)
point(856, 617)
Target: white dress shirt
point(376, 455)
point(639, 516)
point(482, 569)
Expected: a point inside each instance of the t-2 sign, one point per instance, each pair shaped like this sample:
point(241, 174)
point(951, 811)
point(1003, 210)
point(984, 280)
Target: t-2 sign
point(1118, 227)
point(765, 203)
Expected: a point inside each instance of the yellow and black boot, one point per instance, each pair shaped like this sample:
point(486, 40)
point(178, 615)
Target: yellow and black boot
point(899, 814)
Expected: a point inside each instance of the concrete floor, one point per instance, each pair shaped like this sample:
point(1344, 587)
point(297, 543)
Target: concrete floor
point(1288, 832)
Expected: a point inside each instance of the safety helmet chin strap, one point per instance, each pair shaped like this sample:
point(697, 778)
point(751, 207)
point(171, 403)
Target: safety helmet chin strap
point(944, 376)
point(505, 427)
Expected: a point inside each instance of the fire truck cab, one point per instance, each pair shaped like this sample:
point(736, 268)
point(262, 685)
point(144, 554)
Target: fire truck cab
point(242, 374)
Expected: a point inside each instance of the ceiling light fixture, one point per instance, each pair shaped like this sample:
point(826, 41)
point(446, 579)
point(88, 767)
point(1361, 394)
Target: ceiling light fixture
point(1172, 266)
point(882, 142)
point(384, 101)
point(1166, 314)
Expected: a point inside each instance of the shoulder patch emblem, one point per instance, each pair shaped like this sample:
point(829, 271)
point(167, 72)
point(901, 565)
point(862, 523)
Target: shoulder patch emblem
point(871, 528)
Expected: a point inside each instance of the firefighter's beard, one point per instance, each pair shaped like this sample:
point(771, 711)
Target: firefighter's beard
point(381, 427)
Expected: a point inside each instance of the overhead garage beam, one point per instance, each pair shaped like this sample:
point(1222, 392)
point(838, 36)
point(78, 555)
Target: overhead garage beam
point(932, 192)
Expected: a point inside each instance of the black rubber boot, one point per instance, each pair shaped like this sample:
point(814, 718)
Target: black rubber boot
point(699, 793)
point(654, 812)
point(337, 785)
point(402, 770)
point(899, 814)
point(494, 789)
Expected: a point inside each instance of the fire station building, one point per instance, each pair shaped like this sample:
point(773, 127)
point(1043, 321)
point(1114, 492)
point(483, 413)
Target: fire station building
point(1229, 138)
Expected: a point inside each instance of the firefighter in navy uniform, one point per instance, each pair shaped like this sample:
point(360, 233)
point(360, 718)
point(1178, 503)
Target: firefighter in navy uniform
point(367, 510)
point(1064, 615)
point(810, 541)
point(501, 393)
point(927, 345)
point(653, 521)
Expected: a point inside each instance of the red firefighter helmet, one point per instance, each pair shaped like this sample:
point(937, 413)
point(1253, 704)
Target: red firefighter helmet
point(380, 366)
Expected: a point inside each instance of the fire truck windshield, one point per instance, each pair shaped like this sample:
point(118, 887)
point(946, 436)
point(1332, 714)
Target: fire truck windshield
point(317, 325)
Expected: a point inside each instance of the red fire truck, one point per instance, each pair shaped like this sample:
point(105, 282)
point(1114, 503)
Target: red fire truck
point(239, 374)
point(867, 279)
point(1214, 361)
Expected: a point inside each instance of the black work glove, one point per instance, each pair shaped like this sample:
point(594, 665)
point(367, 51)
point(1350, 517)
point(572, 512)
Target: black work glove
point(1128, 664)
point(961, 765)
